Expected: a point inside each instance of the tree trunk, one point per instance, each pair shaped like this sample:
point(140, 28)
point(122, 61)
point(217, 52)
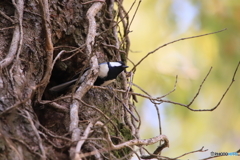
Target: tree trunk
point(37, 124)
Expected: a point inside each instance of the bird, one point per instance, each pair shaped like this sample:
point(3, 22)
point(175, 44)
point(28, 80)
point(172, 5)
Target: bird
point(108, 72)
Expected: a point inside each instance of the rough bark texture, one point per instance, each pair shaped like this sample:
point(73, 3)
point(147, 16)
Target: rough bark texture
point(31, 126)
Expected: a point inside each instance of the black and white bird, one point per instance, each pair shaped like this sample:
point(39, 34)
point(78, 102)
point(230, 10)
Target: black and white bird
point(108, 72)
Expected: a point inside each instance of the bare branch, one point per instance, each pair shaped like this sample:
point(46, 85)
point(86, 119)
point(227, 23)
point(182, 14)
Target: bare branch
point(16, 43)
point(124, 144)
point(7, 17)
point(98, 110)
point(42, 149)
point(155, 155)
point(1, 29)
point(83, 138)
point(59, 107)
point(46, 22)
point(199, 150)
point(17, 104)
point(48, 132)
point(27, 146)
point(188, 105)
point(125, 106)
point(159, 119)
point(93, 1)
point(52, 143)
point(91, 13)
point(57, 57)
point(92, 75)
point(9, 143)
point(157, 152)
point(134, 68)
point(90, 79)
point(48, 46)
point(174, 88)
point(139, 2)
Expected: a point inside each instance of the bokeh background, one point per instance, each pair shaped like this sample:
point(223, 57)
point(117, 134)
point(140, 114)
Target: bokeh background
point(158, 22)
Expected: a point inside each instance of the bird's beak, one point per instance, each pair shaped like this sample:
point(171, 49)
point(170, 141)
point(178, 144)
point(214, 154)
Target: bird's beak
point(125, 66)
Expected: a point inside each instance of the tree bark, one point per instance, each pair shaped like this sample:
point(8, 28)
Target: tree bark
point(36, 124)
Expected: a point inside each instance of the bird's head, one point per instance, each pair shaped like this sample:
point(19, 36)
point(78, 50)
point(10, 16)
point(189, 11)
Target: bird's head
point(110, 70)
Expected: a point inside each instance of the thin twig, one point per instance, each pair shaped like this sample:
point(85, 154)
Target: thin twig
point(14, 148)
point(124, 144)
point(94, 1)
point(16, 43)
point(174, 88)
point(57, 57)
point(139, 2)
point(125, 106)
point(134, 68)
point(211, 109)
point(157, 152)
point(47, 131)
point(83, 138)
point(98, 110)
point(48, 47)
point(30, 149)
point(17, 104)
point(159, 120)
point(199, 150)
point(200, 87)
point(91, 77)
point(20, 19)
point(42, 149)
point(2, 29)
point(52, 143)
point(59, 107)
point(7, 17)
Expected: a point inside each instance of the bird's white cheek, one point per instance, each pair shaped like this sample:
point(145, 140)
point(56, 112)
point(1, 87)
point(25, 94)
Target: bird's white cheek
point(103, 70)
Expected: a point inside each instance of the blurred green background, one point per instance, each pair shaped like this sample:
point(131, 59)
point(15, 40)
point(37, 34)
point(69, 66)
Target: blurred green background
point(158, 22)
